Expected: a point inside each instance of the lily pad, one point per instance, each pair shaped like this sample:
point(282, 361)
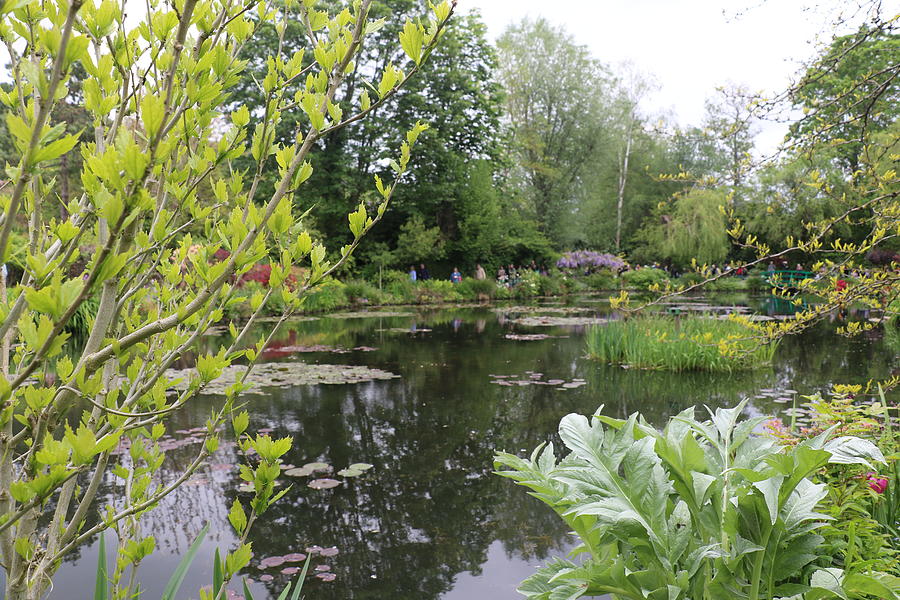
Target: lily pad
point(559, 310)
point(281, 374)
point(371, 315)
point(294, 557)
point(531, 337)
point(318, 467)
point(360, 466)
point(326, 576)
point(558, 321)
point(332, 551)
point(323, 568)
point(298, 472)
point(290, 571)
point(349, 473)
point(324, 484)
point(287, 350)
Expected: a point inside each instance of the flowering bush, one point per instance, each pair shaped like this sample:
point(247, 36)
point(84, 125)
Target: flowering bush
point(590, 261)
point(864, 505)
point(258, 273)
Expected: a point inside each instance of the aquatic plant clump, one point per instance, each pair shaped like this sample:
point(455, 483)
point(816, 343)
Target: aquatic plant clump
point(679, 344)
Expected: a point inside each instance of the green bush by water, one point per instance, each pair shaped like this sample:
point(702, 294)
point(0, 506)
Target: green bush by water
point(643, 279)
point(678, 344)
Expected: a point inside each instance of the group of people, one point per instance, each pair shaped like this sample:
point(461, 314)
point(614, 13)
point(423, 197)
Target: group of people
point(508, 275)
point(511, 275)
point(421, 273)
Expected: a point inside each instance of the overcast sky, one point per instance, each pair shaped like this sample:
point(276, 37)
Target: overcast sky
point(689, 46)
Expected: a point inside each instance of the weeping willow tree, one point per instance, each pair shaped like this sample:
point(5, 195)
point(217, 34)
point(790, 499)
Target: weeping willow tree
point(691, 227)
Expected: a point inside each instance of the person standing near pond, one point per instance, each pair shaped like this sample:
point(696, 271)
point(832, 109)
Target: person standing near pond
point(455, 276)
point(423, 273)
point(479, 272)
point(412, 273)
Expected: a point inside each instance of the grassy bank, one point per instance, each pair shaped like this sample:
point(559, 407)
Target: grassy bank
point(396, 289)
point(678, 344)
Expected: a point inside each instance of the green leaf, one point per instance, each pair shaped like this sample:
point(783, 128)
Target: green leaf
point(770, 489)
point(101, 585)
point(177, 578)
point(152, 114)
point(301, 578)
point(218, 574)
point(849, 450)
point(56, 148)
point(829, 580)
point(237, 517)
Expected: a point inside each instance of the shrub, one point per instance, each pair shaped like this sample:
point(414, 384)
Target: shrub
point(644, 279)
point(331, 294)
point(689, 278)
point(683, 344)
point(756, 283)
point(360, 291)
point(864, 505)
point(477, 289)
point(436, 291)
point(551, 286)
point(699, 510)
point(529, 284)
point(602, 280)
point(728, 284)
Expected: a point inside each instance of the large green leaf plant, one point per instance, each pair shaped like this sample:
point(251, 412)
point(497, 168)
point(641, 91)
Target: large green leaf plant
point(701, 510)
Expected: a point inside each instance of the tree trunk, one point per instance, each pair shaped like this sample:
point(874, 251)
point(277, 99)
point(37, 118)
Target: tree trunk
point(623, 179)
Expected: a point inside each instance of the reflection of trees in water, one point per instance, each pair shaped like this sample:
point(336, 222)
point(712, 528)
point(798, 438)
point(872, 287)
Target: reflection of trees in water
point(177, 519)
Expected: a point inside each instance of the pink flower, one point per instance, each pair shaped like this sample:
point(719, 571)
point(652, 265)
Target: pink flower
point(879, 484)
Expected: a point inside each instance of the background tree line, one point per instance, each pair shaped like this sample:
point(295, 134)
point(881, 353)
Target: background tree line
point(537, 147)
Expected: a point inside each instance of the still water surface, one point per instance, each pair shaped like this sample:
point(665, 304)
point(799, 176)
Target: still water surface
point(430, 521)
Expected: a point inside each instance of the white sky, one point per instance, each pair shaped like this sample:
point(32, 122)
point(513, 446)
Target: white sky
point(689, 46)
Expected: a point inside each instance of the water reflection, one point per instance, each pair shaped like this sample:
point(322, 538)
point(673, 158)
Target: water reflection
point(429, 520)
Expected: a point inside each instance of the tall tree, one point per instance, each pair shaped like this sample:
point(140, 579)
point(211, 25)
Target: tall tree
point(557, 100)
point(848, 92)
point(729, 124)
point(632, 88)
point(458, 97)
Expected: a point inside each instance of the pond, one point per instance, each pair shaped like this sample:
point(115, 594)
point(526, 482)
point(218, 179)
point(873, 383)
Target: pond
point(429, 520)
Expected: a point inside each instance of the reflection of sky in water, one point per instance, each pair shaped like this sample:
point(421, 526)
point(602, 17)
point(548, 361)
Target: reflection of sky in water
point(429, 520)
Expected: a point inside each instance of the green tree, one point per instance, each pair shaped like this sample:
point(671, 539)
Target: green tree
point(460, 81)
point(729, 124)
point(692, 226)
point(849, 92)
point(557, 95)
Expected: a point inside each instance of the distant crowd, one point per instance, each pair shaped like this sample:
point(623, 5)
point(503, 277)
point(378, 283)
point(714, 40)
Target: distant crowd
point(508, 275)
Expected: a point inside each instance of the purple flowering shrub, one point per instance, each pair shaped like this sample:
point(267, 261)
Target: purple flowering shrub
point(590, 261)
